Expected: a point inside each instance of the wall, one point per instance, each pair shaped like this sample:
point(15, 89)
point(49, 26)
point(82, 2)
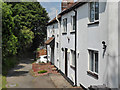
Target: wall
point(67, 44)
point(53, 31)
point(91, 37)
point(113, 45)
point(119, 44)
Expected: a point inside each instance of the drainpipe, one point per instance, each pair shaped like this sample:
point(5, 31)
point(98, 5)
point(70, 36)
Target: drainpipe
point(59, 39)
point(75, 46)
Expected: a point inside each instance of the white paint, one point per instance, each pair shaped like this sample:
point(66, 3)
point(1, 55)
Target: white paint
point(91, 37)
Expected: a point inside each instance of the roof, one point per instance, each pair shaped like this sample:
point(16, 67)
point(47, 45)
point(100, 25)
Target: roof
point(41, 52)
point(49, 40)
point(68, 9)
point(54, 20)
point(72, 7)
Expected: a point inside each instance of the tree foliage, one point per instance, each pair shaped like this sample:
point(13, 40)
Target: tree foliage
point(23, 26)
point(10, 41)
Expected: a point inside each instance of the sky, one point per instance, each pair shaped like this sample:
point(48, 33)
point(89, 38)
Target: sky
point(51, 7)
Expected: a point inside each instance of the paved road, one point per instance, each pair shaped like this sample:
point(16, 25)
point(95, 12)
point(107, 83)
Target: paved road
point(20, 77)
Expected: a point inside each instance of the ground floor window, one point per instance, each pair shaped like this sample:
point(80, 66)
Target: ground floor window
point(93, 60)
point(72, 58)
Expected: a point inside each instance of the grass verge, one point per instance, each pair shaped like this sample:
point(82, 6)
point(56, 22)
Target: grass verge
point(4, 82)
point(9, 63)
point(42, 71)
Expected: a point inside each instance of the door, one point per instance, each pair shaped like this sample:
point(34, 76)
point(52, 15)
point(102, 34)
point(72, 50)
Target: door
point(52, 55)
point(66, 61)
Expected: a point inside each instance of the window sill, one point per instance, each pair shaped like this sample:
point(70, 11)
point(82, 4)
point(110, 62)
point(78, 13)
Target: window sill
point(92, 74)
point(91, 23)
point(71, 32)
point(64, 33)
point(73, 67)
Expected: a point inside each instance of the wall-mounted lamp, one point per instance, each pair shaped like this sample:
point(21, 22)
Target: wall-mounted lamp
point(104, 46)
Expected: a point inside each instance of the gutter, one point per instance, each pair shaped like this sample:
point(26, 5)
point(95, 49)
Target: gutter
point(75, 46)
point(59, 44)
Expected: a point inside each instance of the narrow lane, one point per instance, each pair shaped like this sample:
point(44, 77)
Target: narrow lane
point(20, 77)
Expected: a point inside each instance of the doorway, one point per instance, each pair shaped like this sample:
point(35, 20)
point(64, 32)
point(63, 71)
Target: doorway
point(66, 62)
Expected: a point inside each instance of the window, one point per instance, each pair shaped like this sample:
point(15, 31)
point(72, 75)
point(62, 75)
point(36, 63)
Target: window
point(65, 25)
point(53, 30)
point(73, 20)
point(94, 11)
point(93, 61)
point(72, 58)
point(57, 45)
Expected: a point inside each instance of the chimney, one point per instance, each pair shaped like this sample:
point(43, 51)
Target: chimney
point(66, 3)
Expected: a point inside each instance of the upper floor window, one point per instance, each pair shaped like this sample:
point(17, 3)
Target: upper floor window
point(65, 25)
point(73, 22)
point(93, 61)
point(53, 30)
point(94, 11)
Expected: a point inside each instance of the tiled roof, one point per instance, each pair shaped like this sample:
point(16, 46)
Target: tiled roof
point(49, 40)
point(54, 20)
point(69, 8)
point(73, 6)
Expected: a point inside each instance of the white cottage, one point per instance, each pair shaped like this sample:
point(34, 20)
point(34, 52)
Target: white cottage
point(84, 43)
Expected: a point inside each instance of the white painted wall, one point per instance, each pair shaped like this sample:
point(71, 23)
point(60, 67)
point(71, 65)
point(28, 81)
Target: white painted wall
point(91, 37)
point(119, 44)
point(69, 45)
point(113, 45)
point(53, 31)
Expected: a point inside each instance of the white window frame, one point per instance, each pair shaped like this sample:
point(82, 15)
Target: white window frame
point(71, 61)
point(65, 25)
point(72, 20)
point(94, 20)
point(89, 69)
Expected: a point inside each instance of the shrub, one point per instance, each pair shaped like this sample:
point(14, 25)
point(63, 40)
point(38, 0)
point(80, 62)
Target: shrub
point(42, 71)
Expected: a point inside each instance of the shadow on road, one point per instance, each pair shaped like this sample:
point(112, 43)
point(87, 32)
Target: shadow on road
point(18, 73)
point(24, 65)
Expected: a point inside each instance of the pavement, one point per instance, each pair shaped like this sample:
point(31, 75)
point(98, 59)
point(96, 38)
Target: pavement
point(20, 77)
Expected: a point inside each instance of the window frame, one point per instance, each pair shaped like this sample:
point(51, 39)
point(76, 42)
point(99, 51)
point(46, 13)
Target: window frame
point(65, 25)
point(53, 29)
point(94, 19)
point(94, 61)
point(71, 58)
point(73, 23)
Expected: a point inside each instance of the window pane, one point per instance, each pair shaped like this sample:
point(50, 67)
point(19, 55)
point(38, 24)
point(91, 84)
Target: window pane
point(65, 24)
point(92, 11)
point(74, 22)
point(96, 10)
point(91, 60)
point(73, 57)
point(96, 62)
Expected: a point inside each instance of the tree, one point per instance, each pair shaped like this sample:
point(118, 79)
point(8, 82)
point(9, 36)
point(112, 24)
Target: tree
point(33, 16)
point(9, 40)
point(23, 25)
point(25, 39)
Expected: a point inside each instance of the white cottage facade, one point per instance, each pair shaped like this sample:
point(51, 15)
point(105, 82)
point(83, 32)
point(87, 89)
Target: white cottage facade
point(85, 44)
